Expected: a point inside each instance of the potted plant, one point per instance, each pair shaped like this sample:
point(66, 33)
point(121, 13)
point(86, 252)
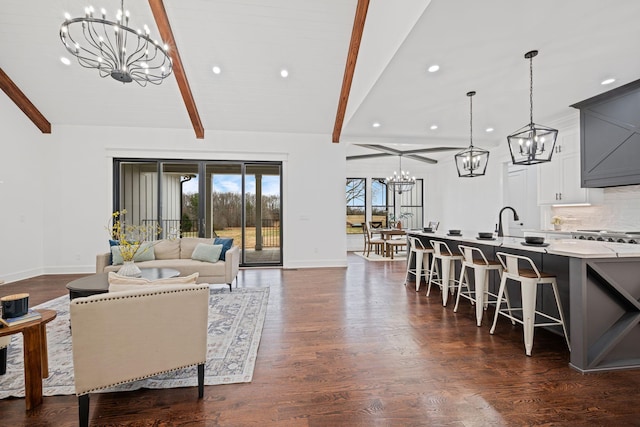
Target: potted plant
point(557, 222)
point(396, 221)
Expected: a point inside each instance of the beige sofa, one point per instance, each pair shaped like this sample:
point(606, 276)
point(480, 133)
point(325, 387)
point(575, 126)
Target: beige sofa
point(176, 253)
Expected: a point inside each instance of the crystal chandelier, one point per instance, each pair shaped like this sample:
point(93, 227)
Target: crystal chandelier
point(401, 182)
point(472, 161)
point(532, 143)
point(114, 49)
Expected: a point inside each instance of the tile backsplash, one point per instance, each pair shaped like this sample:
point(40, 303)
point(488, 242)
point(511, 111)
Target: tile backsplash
point(620, 211)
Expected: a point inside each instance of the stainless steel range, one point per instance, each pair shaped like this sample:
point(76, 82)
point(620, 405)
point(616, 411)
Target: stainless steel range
point(608, 236)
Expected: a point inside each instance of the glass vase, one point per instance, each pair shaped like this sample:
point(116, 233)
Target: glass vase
point(130, 269)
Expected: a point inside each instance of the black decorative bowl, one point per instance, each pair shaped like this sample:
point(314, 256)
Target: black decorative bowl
point(484, 235)
point(14, 305)
point(534, 240)
point(454, 232)
point(427, 230)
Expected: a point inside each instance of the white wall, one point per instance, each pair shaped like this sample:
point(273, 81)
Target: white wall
point(58, 190)
point(21, 188)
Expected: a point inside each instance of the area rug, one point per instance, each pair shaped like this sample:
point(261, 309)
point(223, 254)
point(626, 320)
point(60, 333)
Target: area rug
point(235, 327)
point(402, 256)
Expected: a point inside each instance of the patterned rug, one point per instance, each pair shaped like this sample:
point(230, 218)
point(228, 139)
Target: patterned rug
point(235, 326)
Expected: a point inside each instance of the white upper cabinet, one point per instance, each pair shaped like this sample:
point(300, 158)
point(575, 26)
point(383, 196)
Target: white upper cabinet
point(559, 179)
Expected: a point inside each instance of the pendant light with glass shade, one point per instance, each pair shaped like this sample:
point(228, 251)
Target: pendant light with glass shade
point(532, 144)
point(472, 161)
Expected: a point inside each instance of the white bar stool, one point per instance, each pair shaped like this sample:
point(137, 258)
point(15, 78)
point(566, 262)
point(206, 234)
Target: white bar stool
point(481, 269)
point(421, 256)
point(447, 259)
point(529, 280)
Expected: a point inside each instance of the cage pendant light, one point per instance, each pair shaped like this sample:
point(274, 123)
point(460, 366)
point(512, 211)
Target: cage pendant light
point(472, 161)
point(532, 144)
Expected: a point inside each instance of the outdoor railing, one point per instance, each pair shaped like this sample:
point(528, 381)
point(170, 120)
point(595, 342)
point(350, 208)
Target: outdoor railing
point(175, 228)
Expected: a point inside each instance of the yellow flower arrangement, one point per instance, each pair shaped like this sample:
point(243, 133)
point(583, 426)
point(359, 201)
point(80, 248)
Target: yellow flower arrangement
point(130, 237)
point(556, 220)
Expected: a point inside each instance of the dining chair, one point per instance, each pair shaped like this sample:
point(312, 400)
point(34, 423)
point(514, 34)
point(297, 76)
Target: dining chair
point(377, 244)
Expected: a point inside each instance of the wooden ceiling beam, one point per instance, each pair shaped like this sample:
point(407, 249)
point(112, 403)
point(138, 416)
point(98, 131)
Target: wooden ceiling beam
point(162, 21)
point(352, 57)
point(23, 103)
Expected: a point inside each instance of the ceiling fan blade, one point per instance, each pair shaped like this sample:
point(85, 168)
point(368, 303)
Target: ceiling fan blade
point(420, 158)
point(381, 148)
point(369, 156)
point(432, 150)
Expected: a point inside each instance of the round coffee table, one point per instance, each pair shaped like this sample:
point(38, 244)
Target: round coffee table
point(99, 283)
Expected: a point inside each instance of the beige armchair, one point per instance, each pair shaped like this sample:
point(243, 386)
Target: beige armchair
point(4, 344)
point(120, 337)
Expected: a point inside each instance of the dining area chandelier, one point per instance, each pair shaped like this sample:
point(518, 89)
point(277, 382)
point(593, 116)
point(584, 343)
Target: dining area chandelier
point(114, 48)
point(401, 182)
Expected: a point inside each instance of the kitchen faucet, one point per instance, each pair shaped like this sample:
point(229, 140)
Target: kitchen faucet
point(515, 218)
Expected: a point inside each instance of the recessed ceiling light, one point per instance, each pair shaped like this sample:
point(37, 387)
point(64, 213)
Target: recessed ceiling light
point(607, 81)
point(489, 129)
point(433, 127)
point(65, 60)
point(376, 124)
point(284, 73)
point(434, 68)
point(216, 70)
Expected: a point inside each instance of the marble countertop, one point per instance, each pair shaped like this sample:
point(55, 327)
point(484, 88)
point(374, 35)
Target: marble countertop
point(565, 247)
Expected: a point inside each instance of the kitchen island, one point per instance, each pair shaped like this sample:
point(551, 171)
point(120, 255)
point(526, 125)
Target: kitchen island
point(599, 284)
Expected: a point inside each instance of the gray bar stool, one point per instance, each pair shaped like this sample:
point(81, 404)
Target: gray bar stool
point(529, 280)
point(421, 256)
point(474, 258)
point(447, 259)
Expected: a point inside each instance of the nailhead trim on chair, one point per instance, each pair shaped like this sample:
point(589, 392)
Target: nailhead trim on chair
point(113, 296)
point(138, 378)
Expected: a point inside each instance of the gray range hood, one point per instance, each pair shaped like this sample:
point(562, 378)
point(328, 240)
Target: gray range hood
point(610, 137)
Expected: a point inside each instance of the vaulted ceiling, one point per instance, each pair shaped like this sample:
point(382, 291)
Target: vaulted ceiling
point(478, 46)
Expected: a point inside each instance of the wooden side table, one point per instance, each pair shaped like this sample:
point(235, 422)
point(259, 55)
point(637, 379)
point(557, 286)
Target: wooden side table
point(36, 358)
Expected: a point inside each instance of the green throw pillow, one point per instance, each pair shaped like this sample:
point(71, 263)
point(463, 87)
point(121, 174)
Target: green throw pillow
point(144, 253)
point(206, 253)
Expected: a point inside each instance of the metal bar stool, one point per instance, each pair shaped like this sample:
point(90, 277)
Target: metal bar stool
point(529, 280)
point(421, 256)
point(474, 258)
point(447, 259)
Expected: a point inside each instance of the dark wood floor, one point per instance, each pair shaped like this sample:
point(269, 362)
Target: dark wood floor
point(354, 347)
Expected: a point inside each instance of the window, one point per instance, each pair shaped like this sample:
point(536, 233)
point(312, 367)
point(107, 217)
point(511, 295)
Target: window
point(356, 204)
point(379, 198)
point(408, 206)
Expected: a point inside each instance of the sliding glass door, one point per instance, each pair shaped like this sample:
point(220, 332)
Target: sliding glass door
point(241, 200)
point(262, 231)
